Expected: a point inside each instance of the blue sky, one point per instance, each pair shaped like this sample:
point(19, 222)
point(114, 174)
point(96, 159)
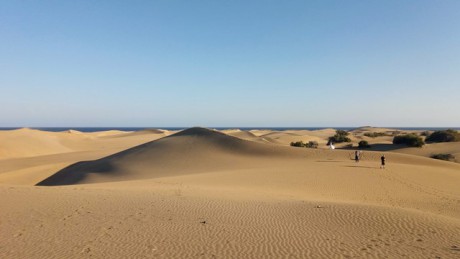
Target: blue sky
point(230, 63)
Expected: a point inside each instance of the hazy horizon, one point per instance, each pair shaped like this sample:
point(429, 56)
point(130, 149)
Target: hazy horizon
point(264, 63)
point(92, 129)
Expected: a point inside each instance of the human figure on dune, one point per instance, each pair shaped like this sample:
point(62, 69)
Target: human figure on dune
point(382, 165)
point(331, 145)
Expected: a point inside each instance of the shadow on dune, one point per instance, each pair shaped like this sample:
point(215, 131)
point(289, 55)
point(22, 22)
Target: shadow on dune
point(77, 172)
point(377, 147)
point(357, 166)
point(328, 161)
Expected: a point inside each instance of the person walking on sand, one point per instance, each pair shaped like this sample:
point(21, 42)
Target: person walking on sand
point(382, 165)
point(357, 153)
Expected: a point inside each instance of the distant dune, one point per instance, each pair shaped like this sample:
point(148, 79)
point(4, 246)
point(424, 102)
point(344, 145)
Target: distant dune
point(30, 143)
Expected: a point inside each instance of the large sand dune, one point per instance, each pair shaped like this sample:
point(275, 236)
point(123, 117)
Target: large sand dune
point(202, 193)
point(193, 150)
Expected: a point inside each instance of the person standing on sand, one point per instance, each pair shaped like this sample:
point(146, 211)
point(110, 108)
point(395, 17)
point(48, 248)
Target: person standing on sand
point(382, 165)
point(357, 156)
point(331, 146)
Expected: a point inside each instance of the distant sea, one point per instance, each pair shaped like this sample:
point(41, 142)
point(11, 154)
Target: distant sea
point(95, 129)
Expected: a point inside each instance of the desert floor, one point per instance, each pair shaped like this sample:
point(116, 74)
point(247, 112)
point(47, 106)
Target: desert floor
point(229, 194)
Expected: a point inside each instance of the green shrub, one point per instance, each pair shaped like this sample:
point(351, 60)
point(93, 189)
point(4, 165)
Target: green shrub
point(375, 134)
point(444, 136)
point(298, 144)
point(446, 157)
point(339, 137)
point(411, 140)
point(363, 144)
point(312, 144)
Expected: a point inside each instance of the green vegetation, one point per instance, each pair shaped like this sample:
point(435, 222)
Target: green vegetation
point(375, 134)
point(411, 140)
point(339, 137)
point(297, 144)
point(444, 136)
point(363, 144)
point(310, 144)
point(446, 157)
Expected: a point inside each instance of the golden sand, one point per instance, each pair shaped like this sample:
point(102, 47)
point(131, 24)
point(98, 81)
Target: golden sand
point(232, 194)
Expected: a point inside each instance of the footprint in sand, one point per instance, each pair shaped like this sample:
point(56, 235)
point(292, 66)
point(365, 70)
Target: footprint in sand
point(86, 250)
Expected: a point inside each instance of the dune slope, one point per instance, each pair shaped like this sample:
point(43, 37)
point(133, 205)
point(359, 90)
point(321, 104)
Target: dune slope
point(190, 151)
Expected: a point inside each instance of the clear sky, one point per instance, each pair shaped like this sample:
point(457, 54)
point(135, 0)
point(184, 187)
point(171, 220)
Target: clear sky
point(230, 63)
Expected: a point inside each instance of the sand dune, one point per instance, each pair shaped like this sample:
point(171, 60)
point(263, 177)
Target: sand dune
point(260, 132)
point(434, 148)
point(246, 135)
point(91, 222)
point(29, 142)
point(286, 137)
point(146, 132)
point(192, 150)
point(203, 193)
point(29, 156)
